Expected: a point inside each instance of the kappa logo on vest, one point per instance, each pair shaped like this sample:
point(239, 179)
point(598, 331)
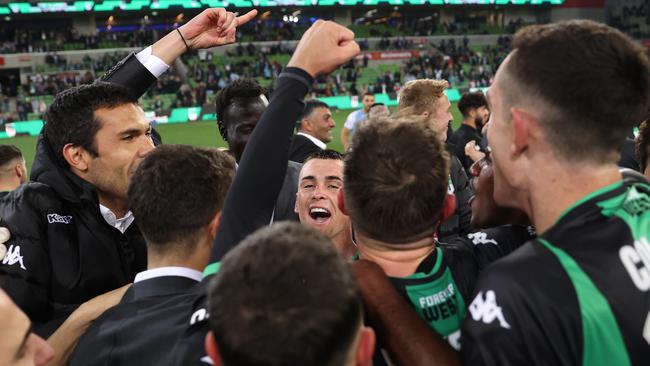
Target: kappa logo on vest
point(487, 310)
point(481, 238)
point(58, 219)
point(199, 316)
point(13, 256)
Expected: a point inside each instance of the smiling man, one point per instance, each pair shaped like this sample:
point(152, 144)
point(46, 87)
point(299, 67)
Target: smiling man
point(314, 130)
point(562, 103)
point(62, 252)
point(321, 179)
point(73, 236)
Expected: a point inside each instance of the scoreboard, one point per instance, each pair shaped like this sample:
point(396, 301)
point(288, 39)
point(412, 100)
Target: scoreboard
point(144, 5)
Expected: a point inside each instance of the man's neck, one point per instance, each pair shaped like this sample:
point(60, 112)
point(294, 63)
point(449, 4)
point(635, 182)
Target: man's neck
point(8, 186)
point(567, 185)
point(470, 122)
point(117, 206)
point(343, 243)
point(395, 262)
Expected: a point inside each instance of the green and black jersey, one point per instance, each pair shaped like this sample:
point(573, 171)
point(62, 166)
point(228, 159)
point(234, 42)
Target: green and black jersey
point(577, 295)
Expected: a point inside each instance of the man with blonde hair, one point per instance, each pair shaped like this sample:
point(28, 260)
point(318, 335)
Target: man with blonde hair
point(427, 98)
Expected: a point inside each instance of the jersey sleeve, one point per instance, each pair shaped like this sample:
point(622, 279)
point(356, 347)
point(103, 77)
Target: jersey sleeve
point(25, 270)
point(492, 244)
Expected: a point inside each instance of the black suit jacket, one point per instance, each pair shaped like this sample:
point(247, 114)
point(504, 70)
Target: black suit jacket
point(143, 328)
point(301, 148)
point(134, 76)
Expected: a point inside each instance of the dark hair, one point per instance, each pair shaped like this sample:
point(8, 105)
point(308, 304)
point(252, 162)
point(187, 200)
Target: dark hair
point(376, 105)
point(176, 191)
point(471, 101)
point(643, 144)
point(70, 118)
point(396, 177)
point(593, 81)
point(284, 296)
point(310, 105)
point(325, 154)
point(9, 153)
point(368, 93)
point(236, 90)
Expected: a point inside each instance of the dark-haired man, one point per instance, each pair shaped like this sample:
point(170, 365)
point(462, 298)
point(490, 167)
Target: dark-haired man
point(579, 293)
point(13, 171)
point(355, 119)
point(313, 131)
point(325, 324)
point(179, 220)
point(239, 108)
point(73, 235)
point(321, 180)
point(396, 204)
point(473, 107)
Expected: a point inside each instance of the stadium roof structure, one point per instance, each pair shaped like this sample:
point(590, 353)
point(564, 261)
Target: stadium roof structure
point(80, 6)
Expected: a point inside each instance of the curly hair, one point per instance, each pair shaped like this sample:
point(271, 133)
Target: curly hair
point(238, 89)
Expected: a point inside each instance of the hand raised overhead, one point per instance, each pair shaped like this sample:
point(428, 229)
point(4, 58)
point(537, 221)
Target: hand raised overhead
point(213, 27)
point(324, 47)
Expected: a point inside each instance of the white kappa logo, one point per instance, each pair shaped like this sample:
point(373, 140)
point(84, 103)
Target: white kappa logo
point(481, 238)
point(58, 219)
point(487, 310)
point(13, 256)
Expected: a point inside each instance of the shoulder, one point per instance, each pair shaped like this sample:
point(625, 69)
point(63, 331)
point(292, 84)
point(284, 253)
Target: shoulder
point(29, 198)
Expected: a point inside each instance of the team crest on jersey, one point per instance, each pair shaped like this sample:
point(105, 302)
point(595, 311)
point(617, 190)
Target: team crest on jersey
point(13, 256)
point(636, 203)
point(58, 219)
point(487, 310)
point(481, 238)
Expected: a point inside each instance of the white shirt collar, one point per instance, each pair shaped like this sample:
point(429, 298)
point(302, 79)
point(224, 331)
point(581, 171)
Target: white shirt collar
point(316, 141)
point(120, 224)
point(169, 271)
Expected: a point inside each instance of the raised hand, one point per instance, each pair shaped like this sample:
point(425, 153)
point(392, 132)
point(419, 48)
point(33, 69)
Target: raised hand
point(213, 27)
point(324, 47)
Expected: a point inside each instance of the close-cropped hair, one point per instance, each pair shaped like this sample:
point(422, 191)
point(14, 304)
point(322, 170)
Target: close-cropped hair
point(325, 154)
point(643, 144)
point(70, 118)
point(176, 192)
point(238, 90)
point(310, 105)
point(9, 153)
point(469, 101)
point(590, 82)
point(422, 94)
point(284, 296)
point(396, 178)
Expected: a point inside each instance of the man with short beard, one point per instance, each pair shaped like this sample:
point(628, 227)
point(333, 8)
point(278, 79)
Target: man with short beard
point(473, 107)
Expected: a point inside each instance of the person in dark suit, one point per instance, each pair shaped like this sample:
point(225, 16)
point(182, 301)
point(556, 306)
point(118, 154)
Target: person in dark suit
point(179, 220)
point(239, 107)
point(313, 131)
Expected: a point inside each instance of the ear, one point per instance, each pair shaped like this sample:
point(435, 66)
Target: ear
point(76, 156)
point(18, 169)
point(448, 207)
point(366, 347)
point(295, 206)
point(341, 202)
point(214, 224)
point(522, 122)
point(212, 349)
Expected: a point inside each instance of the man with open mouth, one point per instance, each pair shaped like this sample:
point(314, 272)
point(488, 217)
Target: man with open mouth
point(320, 181)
